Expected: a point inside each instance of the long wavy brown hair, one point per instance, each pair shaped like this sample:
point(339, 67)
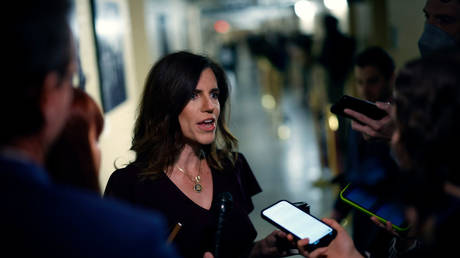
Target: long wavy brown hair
point(158, 139)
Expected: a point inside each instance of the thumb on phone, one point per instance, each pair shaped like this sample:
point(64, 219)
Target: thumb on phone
point(208, 255)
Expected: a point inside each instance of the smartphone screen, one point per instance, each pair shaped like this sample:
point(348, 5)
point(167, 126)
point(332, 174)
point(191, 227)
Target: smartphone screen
point(288, 217)
point(373, 205)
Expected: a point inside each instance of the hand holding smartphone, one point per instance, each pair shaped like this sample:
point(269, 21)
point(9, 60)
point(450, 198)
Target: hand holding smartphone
point(300, 224)
point(374, 205)
point(362, 106)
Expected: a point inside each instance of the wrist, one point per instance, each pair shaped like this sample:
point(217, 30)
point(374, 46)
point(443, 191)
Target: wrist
point(256, 250)
point(353, 252)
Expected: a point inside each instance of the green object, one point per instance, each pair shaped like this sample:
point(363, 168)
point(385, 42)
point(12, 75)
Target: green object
point(359, 198)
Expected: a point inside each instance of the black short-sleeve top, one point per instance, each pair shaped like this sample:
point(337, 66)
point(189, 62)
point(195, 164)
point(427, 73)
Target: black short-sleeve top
point(199, 225)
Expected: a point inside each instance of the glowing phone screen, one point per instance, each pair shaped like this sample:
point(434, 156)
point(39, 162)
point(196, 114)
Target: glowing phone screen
point(297, 221)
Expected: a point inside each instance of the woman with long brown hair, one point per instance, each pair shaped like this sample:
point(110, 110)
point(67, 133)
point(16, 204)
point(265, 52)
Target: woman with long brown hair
point(75, 157)
point(185, 160)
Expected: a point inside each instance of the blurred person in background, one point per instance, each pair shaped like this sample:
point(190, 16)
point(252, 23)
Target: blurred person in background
point(442, 30)
point(75, 158)
point(41, 218)
point(368, 163)
point(427, 103)
point(442, 26)
point(336, 57)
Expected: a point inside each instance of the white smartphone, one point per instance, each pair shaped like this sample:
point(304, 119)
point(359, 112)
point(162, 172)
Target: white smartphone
point(300, 224)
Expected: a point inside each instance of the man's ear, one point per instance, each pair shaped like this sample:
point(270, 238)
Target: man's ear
point(50, 84)
point(392, 80)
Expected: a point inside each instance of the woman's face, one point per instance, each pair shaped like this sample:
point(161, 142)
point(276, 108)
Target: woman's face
point(199, 117)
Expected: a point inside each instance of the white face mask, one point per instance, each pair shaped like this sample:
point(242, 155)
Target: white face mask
point(434, 39)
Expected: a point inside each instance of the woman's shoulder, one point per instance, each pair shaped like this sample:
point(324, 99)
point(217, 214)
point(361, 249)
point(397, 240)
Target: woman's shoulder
point(240, 162)
point(129, 171)
point(243, 171)
point(246, 180)
point(121, 180)
point(233, 158)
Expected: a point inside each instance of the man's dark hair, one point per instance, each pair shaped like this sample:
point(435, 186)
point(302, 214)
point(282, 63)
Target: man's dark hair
point(38, 42)
point(447, 1)
point(330, 23)
point(376, 57)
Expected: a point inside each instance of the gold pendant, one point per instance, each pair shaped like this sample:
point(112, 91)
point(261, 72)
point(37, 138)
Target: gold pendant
point(197, 188)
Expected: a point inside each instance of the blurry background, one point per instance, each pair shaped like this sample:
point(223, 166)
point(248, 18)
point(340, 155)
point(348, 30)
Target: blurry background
point(270, 50)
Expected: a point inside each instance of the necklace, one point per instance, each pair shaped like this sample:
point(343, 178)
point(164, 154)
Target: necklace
point(197, 187)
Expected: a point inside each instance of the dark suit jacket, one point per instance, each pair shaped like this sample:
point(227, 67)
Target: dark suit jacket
point(41, 219)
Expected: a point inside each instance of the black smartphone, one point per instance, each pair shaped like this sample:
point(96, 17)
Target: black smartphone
point(362, 106)
point(287, 217)
point(376, 205)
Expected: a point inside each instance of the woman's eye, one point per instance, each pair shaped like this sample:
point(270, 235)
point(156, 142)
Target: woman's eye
point(194, 95)
point(215, 95)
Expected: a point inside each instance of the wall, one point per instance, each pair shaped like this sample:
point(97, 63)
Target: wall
point(392, 24)
point(183, 29)
point(142, 47)
point(406, 21)
point(115, 139)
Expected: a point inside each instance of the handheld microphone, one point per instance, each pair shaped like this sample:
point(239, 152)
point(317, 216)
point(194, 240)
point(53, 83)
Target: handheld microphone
point(225, 204)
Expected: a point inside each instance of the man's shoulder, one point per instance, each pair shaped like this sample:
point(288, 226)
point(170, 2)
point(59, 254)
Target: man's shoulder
point(138, 229)
point(88, 202)
point(72, 219)
point(82, 207)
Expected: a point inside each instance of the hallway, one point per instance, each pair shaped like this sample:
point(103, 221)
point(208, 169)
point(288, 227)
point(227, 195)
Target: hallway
point(285, 168)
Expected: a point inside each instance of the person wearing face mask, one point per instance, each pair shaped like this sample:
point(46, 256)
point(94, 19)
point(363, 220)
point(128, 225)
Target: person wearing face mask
point(442, 31)
point(427, 103)
point(442, 26)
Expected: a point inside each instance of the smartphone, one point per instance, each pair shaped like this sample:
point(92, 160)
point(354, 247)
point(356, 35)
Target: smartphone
point(362, 106)
point(374, 205)
point(287, 217)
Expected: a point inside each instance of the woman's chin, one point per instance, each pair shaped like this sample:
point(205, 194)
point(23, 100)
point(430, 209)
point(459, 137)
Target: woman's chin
point(207, 140)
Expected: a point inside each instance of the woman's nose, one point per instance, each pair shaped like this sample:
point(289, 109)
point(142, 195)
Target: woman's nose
point(208, 105)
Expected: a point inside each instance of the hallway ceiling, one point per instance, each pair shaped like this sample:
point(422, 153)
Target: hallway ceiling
point(224, 5)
